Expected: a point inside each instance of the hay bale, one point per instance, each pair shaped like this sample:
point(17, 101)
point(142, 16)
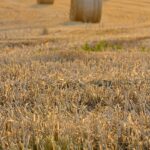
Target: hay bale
point(86, 10)
point(45, 1)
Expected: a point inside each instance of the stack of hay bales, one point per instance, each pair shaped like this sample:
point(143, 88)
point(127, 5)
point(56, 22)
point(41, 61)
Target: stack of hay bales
point(45, 1)
point(86, 10)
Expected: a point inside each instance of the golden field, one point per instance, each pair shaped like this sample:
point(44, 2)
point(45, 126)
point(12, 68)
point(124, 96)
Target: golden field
point(68, 85)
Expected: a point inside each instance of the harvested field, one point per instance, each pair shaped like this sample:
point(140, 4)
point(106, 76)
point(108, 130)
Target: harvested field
point(69, 85)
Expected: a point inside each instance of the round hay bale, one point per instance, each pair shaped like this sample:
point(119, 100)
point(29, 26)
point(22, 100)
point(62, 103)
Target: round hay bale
point(45, 1)
point(86, 10)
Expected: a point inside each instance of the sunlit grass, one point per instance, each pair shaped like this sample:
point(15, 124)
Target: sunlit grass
point(101, 46)
point(74, 100)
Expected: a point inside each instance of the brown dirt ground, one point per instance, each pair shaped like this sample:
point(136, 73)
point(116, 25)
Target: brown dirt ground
point(24, 22)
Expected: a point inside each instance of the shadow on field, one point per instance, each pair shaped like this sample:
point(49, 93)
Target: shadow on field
point(40, 6)
point(69, 23)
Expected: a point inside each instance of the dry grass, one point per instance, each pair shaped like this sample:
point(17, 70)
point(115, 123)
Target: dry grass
point(74, 100)
point(61, 87)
